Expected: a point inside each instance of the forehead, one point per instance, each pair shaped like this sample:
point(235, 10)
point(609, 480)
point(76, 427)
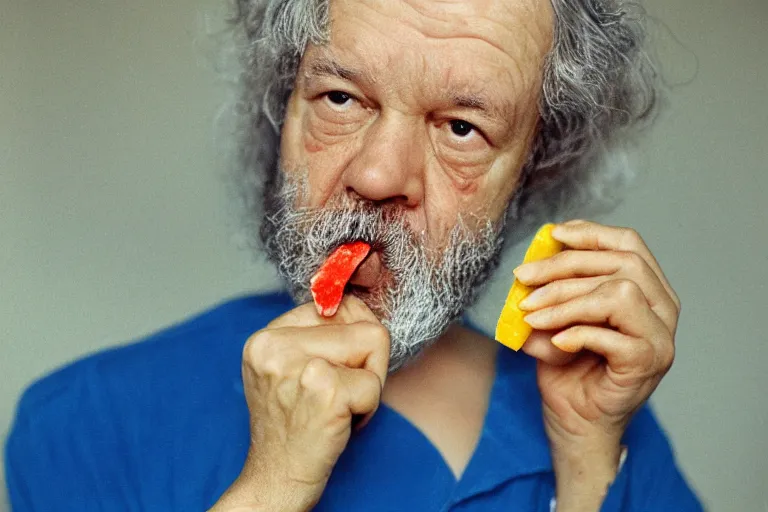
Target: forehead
point(446, 42)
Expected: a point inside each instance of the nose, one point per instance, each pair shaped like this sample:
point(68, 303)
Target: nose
point(390, 164)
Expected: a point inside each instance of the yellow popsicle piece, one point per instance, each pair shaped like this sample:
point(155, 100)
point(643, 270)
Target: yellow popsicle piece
point(511, 329)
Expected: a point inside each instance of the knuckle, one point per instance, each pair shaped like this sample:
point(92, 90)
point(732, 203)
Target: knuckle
point(372, 382)
point(631, 239)
point(255, 345)
point(379, 332)
point(666, 358)
point(318, 376)
point(645, 358)
point(653, 360)
point(375, 332)
point(368, 386)
point(627, 290)
point(289, 318)
point(635, 263)
point(265, 354)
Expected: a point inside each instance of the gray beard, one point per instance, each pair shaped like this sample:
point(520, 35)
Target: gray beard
point(424, 293)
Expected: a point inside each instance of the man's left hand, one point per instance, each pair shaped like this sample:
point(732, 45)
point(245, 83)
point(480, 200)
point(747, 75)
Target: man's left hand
point(605, 319)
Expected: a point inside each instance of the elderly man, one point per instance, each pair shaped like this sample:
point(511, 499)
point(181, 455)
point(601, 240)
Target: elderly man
point(433, 131)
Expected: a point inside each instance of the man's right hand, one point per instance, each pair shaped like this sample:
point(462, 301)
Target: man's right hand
point(305, 377)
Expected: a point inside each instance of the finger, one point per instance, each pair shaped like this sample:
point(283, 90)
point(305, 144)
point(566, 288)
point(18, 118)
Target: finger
point(539, 345)
point(624, 353)
point(577, 263)
point(363, 391)
point(586, 235)
point(591, 236)
point(563, 290)
point(619, 303)
point(284, 351)
point(338, 390)
point(318, 387)
point(351, 310)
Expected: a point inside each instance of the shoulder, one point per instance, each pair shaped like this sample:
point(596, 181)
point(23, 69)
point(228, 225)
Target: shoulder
point(90, 428)
point(212, 337)
point(194, 353)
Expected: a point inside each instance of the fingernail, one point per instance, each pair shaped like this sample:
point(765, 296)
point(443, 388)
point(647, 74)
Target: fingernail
point(535, 319)
point(522, 272)
point(531, 300)
point(565, 342)
point(559, 338)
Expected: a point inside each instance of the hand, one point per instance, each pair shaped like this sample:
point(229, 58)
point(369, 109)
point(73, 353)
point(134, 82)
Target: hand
point(605, 319)
point(304, 377)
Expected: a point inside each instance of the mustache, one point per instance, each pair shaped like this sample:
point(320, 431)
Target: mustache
point(362, 221)
point(341, 220)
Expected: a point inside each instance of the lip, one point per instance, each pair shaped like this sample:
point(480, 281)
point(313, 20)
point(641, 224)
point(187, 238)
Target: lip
point(369, 272)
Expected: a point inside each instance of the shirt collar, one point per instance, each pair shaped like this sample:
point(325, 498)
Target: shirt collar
point(513, 442)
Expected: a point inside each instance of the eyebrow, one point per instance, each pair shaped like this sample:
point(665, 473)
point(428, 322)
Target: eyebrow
point(485, 107)
point(328, 67)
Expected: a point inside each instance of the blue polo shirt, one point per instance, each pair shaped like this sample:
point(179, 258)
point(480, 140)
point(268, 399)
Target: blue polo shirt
point(162, 425)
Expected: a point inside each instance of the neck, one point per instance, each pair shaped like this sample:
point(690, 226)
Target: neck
point(445, 392)
point(458, 345)
point(459, 356)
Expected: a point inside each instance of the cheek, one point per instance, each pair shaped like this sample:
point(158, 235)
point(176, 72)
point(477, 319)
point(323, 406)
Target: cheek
point(474, 200)
point(481, 196)
point(323, 161)
point(443, 203)
point(312, 145)
point(325, 165)
point(501, 183)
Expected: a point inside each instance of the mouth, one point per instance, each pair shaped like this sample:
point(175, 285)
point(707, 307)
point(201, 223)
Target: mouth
point(371, 283)
point(369, 273)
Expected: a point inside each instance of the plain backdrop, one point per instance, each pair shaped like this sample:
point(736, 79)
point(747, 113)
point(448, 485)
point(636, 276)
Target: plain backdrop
point(115, 221)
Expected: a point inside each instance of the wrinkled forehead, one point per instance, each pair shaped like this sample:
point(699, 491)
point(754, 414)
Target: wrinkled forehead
point(472, 46)
point(502, 23)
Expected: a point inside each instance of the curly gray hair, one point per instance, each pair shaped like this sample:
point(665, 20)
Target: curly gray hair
point(599, 89)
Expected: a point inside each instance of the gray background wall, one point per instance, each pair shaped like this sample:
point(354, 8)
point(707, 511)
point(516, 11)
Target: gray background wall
point(114, 220)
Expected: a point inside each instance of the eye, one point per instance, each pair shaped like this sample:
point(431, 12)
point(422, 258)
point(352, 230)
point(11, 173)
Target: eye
point(461, 128)
point(338, 98)
point(458, 140)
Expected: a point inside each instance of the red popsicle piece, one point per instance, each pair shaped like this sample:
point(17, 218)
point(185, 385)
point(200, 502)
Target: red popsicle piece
point(327, 285)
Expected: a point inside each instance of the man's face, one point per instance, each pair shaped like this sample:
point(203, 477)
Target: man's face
point(429, 104)
point(418, 115)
